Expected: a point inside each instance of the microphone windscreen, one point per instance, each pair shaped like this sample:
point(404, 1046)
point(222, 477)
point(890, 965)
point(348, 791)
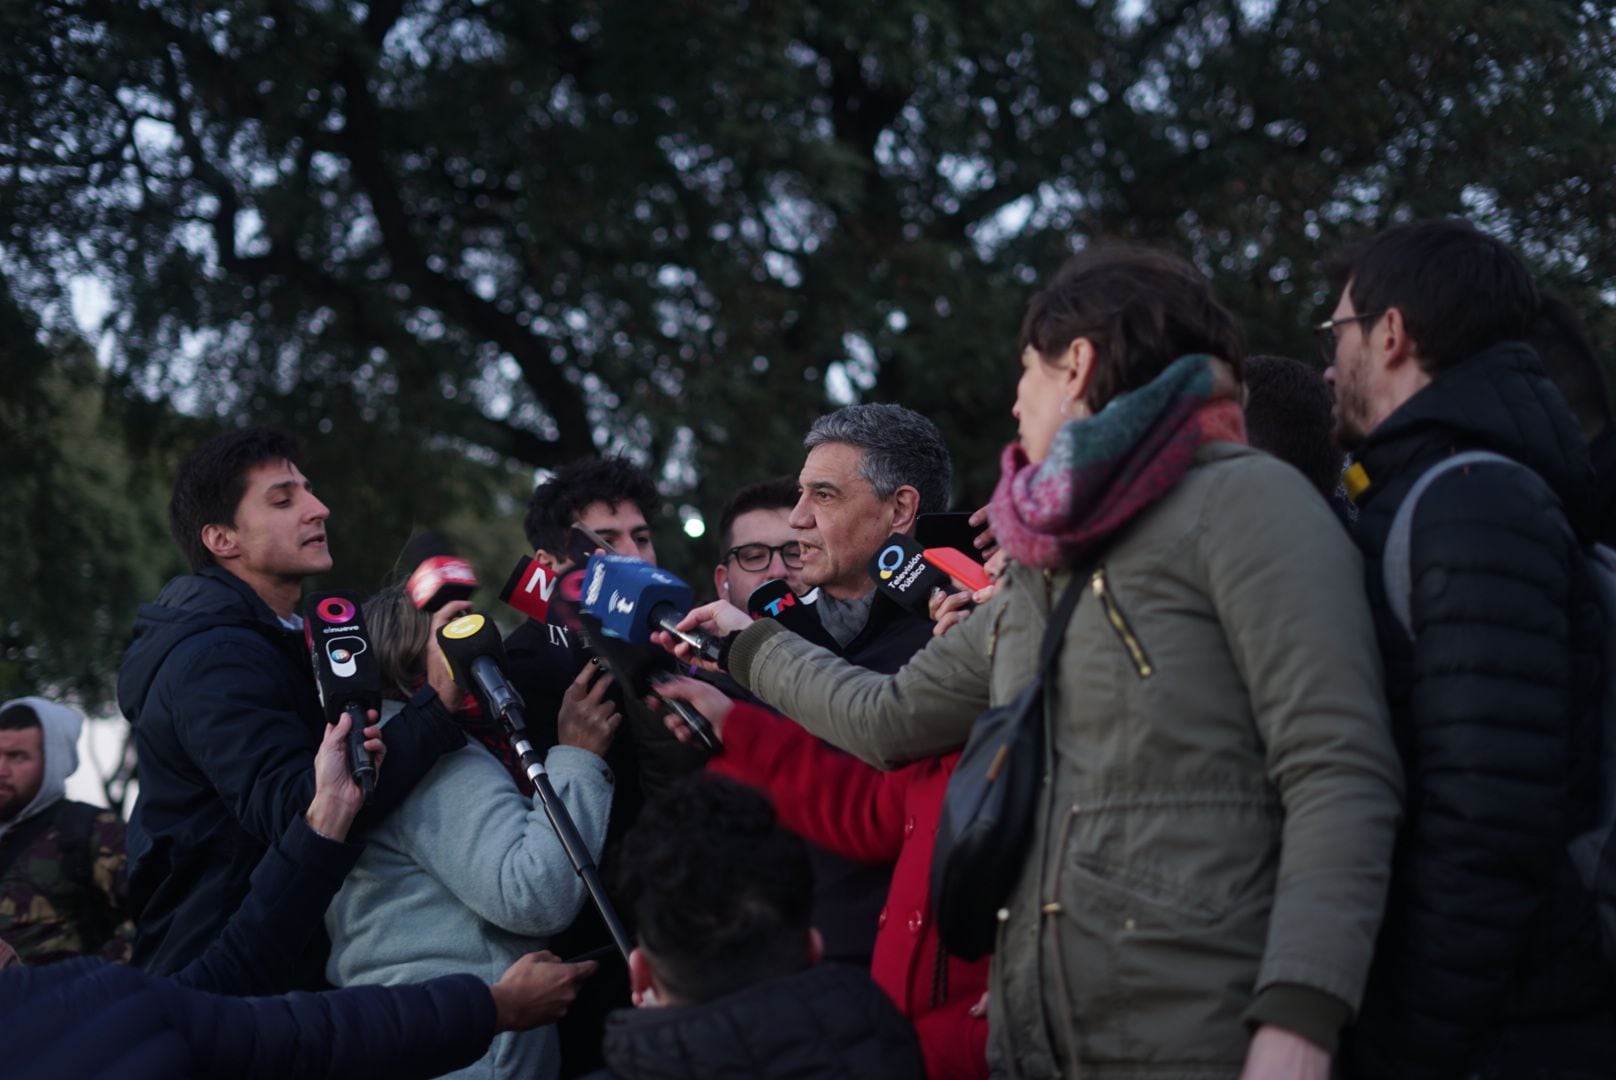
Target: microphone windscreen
point(464, 639)
point(622, 592)
point(901, 572)
point(530, 588)
point(439, 575)
point(345, 667)
point(774, 600)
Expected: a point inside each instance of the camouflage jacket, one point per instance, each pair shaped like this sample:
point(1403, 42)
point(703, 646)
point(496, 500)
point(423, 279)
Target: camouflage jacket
point(63, 889)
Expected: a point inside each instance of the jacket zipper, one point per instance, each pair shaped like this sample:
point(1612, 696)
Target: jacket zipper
point(1119, 623)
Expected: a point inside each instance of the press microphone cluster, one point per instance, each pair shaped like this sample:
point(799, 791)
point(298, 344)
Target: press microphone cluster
point(476, 656)
point(345, 673)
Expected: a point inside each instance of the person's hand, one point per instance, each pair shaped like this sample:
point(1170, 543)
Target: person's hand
point(706, 699)
point(588, 719)
point(986, 543)
point(947, 610)
point(337, 798)
point(997, 564)
point(1277, 1054)
point(536, 990)
point(437, 668)
point(719, 618)
point(981, 1006)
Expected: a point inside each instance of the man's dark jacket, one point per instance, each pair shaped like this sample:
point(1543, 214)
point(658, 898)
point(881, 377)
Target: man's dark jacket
point(88, 1017)
point(1489, 954)
point(830, 1022)
point(226, 720)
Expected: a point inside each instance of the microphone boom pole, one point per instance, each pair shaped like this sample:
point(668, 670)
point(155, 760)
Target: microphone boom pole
point(475, 635)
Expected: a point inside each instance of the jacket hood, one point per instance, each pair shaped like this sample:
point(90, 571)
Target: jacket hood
point(187, 605)
point(827, 1021)
point(1500, 400)
point(60, 726)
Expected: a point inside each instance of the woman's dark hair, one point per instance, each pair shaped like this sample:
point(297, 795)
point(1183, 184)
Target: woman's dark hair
point(1141, 308)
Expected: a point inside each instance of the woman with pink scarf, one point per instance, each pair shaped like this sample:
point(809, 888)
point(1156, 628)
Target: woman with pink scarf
point(1214, 826)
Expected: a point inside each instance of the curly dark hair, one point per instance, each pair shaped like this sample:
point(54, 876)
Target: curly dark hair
point(557, 502)
point(720, 891)
point(210, 481)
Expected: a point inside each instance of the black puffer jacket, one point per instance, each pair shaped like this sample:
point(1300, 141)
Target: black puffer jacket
point(829, 1022)
point(1489, 953)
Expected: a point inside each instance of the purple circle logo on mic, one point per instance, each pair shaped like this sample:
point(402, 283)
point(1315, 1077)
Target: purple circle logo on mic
point(335, 610)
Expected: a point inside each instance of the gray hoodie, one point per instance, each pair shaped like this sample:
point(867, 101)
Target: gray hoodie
point(60, 726)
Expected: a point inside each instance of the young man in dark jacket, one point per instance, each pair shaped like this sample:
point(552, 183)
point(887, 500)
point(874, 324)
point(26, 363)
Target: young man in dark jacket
point(1488, 963)
point(220, 689)
point(727, 975)
point(88, 1017)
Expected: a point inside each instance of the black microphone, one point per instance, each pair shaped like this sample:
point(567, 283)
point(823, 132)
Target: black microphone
point(474, 650)
point(774, 600)
point(901, 572)
point(345, 673)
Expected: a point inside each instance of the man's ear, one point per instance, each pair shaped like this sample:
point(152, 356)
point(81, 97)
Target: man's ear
point(1391, 335)
point(816, 946)
point(721, 581)
point(905, 508)
point(220, 540)
point(641, 981)
point(555, 564)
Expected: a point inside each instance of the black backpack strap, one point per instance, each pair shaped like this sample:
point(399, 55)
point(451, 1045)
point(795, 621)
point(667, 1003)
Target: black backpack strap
point(1061, 617)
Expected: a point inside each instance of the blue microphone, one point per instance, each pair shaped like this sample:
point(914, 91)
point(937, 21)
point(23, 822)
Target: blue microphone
point(632, 599)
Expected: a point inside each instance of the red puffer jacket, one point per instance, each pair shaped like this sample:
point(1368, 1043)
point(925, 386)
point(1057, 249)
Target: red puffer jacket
point(836, 801)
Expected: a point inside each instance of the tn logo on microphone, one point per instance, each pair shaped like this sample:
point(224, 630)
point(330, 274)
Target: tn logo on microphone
point(343, 652)
point(775, 607)
point(895, 554)
point(335, 610)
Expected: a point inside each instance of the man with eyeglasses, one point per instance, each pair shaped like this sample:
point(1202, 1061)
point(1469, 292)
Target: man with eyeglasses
point(757, 541)
point(1488, 963)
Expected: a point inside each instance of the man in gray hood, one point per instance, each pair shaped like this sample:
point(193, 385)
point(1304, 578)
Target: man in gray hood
point(62, 883)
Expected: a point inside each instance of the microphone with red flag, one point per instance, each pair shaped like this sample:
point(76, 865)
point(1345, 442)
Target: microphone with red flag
point(439, 575)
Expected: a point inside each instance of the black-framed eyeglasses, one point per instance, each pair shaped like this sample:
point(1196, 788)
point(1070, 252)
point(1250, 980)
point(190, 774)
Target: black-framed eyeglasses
point(1329, 333)
point(756, 557)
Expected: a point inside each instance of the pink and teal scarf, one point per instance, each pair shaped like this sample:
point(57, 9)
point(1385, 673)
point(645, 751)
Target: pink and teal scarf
point(1104, 470)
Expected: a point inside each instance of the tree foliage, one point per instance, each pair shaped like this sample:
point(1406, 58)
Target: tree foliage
point(516, 233)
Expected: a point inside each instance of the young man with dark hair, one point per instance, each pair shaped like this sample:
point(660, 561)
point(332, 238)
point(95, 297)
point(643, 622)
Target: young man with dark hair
point(726, 973)
point(550, 667)
point(756, 540)
point(611, 496)
point(63, 890)
point(219, 687)
point(1488, 963)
